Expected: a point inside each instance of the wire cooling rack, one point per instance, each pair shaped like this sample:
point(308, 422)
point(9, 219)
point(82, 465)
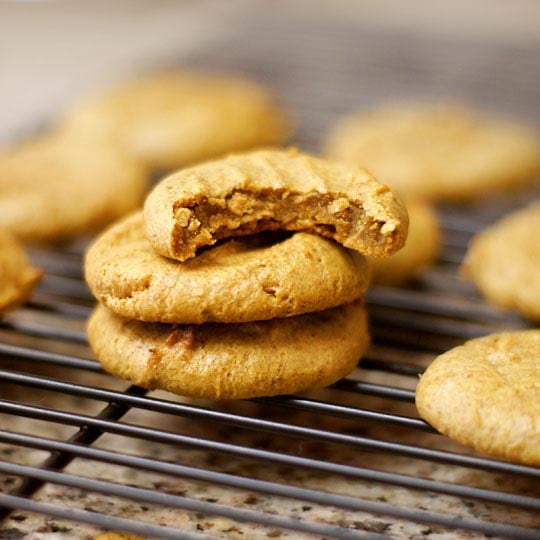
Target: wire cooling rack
point(82, 451)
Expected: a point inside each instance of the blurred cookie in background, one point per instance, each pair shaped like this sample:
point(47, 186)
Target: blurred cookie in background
point(173, 118)
point(66, 183)
point(17, 275)
point(438, 151)
point(421, 249)
point(504, 261)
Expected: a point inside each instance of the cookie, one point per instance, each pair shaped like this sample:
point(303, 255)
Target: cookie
point(486, 394)
point(17, 276)
point(116, 535)
point(173, 118)
point(421, 249)
point(246, 279)
point(438, 151)
point(273, 189)
point(504, 262)
point(64, 184)
point(232, 361)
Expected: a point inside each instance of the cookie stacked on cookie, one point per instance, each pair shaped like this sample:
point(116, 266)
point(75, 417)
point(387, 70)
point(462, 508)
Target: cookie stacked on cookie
point(233, 283)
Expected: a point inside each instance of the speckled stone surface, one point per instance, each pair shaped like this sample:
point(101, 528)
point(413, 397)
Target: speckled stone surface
point(30, 526)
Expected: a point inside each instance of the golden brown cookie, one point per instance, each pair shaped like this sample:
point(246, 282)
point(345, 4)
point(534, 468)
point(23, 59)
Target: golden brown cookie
point(273, 189)
point(115, 535)
point(486, 394)
point(173, 118)
point(63, 184)
point(438, 151)
point(232, 361)
point(246, 279)
point(420, 250)
point(17, 276)
point(504, 261)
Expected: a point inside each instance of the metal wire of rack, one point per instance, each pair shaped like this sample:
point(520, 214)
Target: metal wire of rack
point(353, 461)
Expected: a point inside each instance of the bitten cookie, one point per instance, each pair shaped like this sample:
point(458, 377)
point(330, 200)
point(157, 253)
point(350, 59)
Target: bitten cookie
point(486, 394)
point(421, 249)
point(245, 279)
point(232, 361)
point(438, 151)
point(63, 184)
point(17, 276)
point(173, 118)
point(273, 189)
point(504, 262)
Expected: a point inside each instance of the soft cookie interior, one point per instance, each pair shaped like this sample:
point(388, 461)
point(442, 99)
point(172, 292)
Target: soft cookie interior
point(273, 189)
point(241, 212)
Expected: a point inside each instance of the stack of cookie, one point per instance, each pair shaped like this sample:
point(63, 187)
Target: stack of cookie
point(275, 306)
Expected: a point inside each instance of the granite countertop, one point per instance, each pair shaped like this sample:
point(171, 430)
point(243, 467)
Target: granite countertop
point(30, 526)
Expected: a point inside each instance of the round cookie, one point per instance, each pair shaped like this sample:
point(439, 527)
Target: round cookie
point(273, 189)
point(64, 184)
point(504, 262)
point(486, 394)
point(438, 151)
point(232, 361)
point(420, 250)
point(17, 276)
point(173, 118)
point(246, 279)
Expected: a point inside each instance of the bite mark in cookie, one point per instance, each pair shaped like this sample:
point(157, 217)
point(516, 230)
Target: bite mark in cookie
point(273, 189)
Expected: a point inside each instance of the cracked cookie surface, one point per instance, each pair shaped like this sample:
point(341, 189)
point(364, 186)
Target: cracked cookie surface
point(244, 279)
point(486, 394)
point(273, 189)
point(17, 276)
point(232, 361)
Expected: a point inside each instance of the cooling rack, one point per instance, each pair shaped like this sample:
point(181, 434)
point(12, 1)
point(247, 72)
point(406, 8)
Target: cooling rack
point(82, 451)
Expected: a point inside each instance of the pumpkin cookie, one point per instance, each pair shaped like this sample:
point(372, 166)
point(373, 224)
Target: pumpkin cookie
point(438, 151)
point(173, 118)
point(504, 262)
point(17, 276)
point(421, 249)
point(486, 394)
point(116, 535)
point(64, 184)
point(232, 361)
point(246, 279)
point(273, 189)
